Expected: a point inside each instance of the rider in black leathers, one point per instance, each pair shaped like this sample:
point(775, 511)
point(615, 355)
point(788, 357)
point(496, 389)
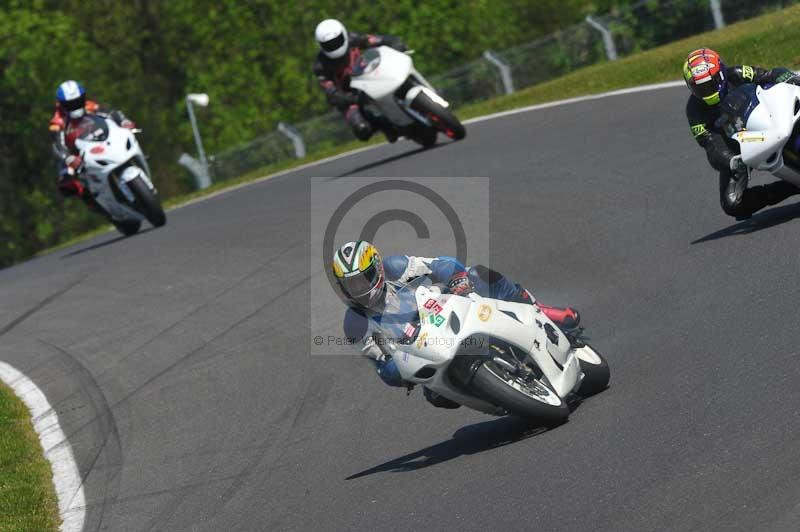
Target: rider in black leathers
point(710, 80)
point(339, 49)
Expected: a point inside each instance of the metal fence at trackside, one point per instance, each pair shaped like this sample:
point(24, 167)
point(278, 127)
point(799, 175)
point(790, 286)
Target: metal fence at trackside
point(624, 31)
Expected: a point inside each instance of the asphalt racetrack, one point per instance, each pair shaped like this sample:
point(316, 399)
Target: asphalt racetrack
point(178, 359)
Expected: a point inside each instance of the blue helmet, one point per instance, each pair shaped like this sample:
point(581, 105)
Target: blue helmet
point(72, 98)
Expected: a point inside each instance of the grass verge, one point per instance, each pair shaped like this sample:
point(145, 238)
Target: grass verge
point(769, 40)
point(27, 496)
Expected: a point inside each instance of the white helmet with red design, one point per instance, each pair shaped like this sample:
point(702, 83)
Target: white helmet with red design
point(332, 38)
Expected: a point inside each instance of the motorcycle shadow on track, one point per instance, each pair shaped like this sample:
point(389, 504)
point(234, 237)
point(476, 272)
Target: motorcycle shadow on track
point(388, 160)
point(759, 221)
point(103, 244)
point(471, 439)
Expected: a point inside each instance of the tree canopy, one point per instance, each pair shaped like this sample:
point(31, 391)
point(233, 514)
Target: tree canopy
point(252, 57)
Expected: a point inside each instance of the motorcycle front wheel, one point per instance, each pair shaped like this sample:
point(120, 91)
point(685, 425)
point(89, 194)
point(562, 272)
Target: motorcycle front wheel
point(596, 373)
point(532, 399)
point(423, 135)
point(147, 203)
point(127, 227)
point(442, 118)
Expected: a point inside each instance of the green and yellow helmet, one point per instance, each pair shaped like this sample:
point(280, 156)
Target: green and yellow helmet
point(358, 269)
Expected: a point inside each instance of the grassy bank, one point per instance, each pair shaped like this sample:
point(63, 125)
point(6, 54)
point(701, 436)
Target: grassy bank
point(769, 40)
point(27, 497)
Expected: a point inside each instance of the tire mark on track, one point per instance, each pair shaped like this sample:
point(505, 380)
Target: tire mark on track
point(314, 398)
point(300, 414)
point(110, 443)
point(160, 520)
point(38, 306)
point(207, 343)
point(191, 313)
point(194, 351)
point(205, 304)
point(269, 443)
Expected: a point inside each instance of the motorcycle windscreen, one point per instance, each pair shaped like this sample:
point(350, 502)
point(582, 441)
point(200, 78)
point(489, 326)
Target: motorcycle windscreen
point(366, 62)
point(736, 109)
point(401, 317)
point(90, 127)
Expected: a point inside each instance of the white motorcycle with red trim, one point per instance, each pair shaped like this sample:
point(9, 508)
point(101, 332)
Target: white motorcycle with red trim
point(490, 355)
point(116, 172)
point(765, 123)
point(397, 92)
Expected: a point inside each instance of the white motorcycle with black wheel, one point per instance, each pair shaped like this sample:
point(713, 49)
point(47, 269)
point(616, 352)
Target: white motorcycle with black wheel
point(116, 173)
point(490, 355)
point(765, 123)
point(396, 92)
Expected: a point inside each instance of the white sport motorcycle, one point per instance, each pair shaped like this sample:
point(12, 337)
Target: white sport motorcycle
point(765, 123)
point(398, 93)
point(116, 173)
point(490, 355)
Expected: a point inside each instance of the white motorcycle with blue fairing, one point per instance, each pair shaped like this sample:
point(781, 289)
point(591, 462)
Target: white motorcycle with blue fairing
point(116, 173)
point(396, 92)
point(765, 123)
point(490, 355)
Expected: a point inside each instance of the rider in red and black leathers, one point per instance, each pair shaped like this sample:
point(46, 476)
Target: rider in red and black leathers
point(333, 74)
point(710, 81)
point(71, 107)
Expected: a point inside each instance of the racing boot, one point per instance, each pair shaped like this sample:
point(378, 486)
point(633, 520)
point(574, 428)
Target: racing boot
point(69, 186)
point(566, 318)
point(735, 195)
point(758, 197)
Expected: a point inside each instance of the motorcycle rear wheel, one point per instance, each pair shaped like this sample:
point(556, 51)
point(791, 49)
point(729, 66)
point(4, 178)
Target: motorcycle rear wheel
point(498, 386)
point(147, 202)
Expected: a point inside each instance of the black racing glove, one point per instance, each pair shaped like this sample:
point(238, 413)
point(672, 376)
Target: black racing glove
point(343, 99)
point(394, 42)
point(737, 165)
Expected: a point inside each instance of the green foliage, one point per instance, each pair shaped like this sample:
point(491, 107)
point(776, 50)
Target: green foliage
point(253, 58)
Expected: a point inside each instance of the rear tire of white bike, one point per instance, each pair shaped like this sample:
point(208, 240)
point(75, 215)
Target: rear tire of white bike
point(490, 384)
point(147, 202)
